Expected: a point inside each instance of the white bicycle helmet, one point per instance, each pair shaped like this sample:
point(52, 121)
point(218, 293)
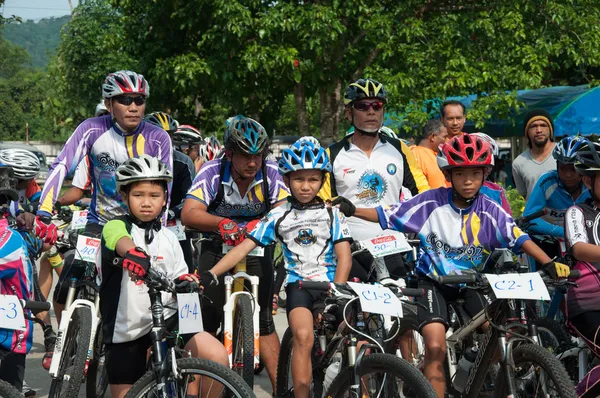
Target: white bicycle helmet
point(310, 139)
point(388, 132)
point(101, 109)
point(124, 82)
point(143, 168)
point(24, 163)
point(490, 141)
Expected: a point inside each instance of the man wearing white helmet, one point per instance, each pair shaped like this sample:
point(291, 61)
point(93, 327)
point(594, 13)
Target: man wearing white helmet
point(108, 141)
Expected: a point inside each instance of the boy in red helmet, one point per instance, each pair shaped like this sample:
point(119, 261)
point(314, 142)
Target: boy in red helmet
point(457, 228)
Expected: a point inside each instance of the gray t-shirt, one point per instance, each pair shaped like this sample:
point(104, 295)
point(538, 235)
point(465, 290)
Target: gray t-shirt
point(526, 171)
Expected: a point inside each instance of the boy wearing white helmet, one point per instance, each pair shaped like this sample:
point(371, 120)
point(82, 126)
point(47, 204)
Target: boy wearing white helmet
point(140, 239)
point(316, 245)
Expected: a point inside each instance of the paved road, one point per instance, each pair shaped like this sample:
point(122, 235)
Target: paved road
point(39, 379)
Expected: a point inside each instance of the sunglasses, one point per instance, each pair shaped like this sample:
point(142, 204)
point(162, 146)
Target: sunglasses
point(364, 106)
point(126, 100)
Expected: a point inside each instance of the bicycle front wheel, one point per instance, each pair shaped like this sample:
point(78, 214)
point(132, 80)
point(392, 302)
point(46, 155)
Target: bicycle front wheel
point(76, 343)
point(198, 377)
point(97, 378)
point(537, 374)
point(8, 391)
point(242, 359)
point(383, 375)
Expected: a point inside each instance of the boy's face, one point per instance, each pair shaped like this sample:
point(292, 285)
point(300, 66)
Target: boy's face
point(467, 181)
point(568, 175)
point(145, 200)
point(304, 184)
point(588, 183)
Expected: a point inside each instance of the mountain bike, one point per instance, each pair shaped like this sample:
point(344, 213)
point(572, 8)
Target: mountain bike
point(526, 369)
point(375, 374)
point(171, 374)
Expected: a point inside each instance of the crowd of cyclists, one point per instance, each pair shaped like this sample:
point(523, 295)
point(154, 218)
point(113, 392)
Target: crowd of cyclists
point(145, 172)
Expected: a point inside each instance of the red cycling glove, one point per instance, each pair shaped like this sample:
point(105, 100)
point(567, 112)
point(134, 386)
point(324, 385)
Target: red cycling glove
point(231, 233)
point(251, 225)
point(137, 261)
point(46, 230)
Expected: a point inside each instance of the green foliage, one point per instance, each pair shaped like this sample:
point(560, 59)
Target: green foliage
point(516, 201)
point(38, 38)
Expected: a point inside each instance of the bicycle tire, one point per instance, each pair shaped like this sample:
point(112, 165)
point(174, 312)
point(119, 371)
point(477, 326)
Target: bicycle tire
point(390, 364)
point(554, 335)
point(75, 350)
point(284, 382)
point(9, 391)
point(236, 385)
point(97, 378)
point(409, 321)
point(243, 339)
point(541, 358)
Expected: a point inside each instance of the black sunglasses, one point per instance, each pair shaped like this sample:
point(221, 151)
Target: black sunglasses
point(126, 100)
point(364, 106)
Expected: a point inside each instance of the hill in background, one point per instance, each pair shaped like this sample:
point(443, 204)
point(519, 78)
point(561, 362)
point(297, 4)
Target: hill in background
point(38, 38)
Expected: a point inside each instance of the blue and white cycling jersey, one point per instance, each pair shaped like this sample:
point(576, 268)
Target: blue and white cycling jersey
point(106, 147)
point(308, 237)
point(549, 193)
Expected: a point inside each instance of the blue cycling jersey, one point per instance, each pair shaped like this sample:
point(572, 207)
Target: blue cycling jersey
point(549, 193)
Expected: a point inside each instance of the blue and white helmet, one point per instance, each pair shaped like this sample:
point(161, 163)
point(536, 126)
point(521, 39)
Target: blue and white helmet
point(245, 134)
point(566, 149)
point(303, 155)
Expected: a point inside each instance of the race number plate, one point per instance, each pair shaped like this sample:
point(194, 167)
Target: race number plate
point(189, 312)
point(79, 219)
point(377, 299)
point(177, 228)
point(87, 249)
point(11, 313)
point(384, 245)
point(527, 286)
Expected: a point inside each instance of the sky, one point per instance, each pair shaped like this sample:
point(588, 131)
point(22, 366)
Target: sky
point(36, 9)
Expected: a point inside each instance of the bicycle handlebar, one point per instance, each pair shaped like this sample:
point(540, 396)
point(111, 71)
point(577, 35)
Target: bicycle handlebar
point(475, 279)
point(325, 286)
point(532, 216)
point(157, 281)
point(35, 305)
point(456, 279)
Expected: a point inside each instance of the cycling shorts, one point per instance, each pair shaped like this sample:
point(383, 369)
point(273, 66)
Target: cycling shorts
point(436, 300)
point(301, 298)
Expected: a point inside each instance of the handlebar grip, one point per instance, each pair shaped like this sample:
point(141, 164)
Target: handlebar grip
point(575, 273)
point(533, 216)
point(314, 285)
point(35, 305)
point(411, 292)
point(456, 279)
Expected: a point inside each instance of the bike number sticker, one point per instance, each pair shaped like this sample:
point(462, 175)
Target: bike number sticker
point(189, 313)
point(377, 299)
point(177, 228)
point(384, 245)
point(87, 249)
point(11, 313)
point(527, 286)
point(79, 219)
point(256, 252)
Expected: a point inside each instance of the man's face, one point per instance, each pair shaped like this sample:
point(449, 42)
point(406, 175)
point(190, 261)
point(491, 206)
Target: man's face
point(245, 165)
point(128, 116)
point(368, 114)
point(538, 133)
point(454, 119)
point(440, 138)
point(568, 175)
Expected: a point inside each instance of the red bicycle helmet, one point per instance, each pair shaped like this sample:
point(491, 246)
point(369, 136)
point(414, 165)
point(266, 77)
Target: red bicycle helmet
point(465, 150)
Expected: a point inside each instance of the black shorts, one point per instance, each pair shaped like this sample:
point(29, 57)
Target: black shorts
point(212, 312)
point(363, 261)
point(127, 362)
point(74, 269)
point(12, 368)
point(436, 300)
point(304, 298)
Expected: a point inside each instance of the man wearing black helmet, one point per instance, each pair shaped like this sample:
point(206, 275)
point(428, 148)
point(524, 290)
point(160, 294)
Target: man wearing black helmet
point(229, 196)
point(371, 169)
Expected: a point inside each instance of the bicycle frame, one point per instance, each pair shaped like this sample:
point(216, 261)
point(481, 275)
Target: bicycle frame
point(583, 353)
point(234, 287)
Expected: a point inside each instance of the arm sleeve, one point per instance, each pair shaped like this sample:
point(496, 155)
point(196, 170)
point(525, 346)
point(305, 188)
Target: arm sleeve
point(67, 160)
point(264, 232)
point(278, 191)
point(535, 202)
point(575, 231)
point(519, 183)
point(414, 179)
point(203, 187)
point(327, 191)
point(113, 231)
point(339, 228)
point(81, 178)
